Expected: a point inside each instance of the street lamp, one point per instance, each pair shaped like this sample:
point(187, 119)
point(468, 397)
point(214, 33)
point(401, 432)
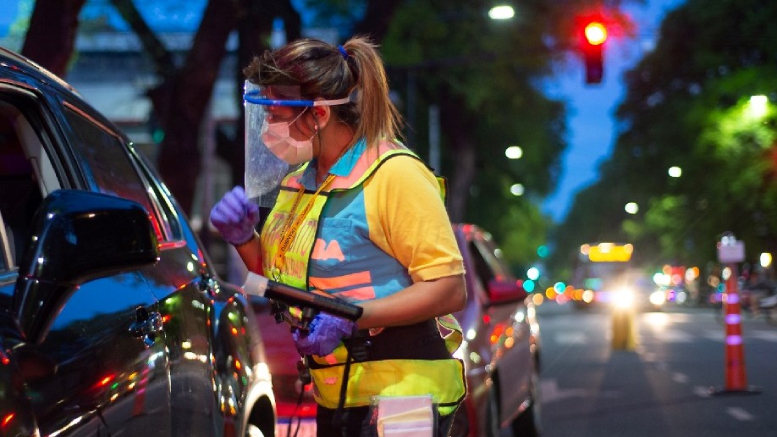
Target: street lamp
point(513, 152)
point(675, 171)
point(757, 105)
point(631, 208)
point(501, 12)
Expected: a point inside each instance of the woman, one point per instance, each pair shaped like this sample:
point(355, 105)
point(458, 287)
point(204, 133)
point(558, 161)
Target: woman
point(361, 219)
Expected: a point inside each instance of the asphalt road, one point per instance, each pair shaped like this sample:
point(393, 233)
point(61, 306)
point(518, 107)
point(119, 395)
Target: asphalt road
point(662, 386)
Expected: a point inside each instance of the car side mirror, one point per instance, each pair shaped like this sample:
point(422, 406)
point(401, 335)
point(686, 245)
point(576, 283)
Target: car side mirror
point(77, 236)
point(502, 291)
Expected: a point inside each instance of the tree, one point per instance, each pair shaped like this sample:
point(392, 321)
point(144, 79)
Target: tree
point(181, 97)
point(51, 35)
point(484, 77)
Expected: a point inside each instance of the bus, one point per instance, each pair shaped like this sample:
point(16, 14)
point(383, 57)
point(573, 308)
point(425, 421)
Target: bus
point(602, 272)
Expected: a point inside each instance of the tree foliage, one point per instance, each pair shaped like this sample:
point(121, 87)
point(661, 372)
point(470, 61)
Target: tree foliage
point(181, 96)
point(688, 104)
point(483, 75)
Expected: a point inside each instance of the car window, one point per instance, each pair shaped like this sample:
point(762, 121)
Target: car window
point(487, 260)
point(109, 165)
point(161, 197)
point(482, 270)
point(492, 255)
point(20, 187)
point(6, 259)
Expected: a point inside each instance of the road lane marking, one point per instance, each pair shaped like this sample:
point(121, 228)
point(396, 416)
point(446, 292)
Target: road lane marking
point(673, 336)
point(739, 414)
point(648, 357)
point(550, 392)
point(571, 338)
point(720, 336)
point(717, 335)
point(679, 377)
point(703, 392)
point(766, 335)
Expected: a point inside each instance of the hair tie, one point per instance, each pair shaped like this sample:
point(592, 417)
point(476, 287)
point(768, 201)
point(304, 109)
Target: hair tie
point(343, 52)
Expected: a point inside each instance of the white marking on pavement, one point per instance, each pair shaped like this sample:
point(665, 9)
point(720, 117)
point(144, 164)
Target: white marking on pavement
point(571, 338)
point(551, 393)
point(719, 335)
point(766, 335)
point(703, 392)
point(674, 336)
point(679, 377)
point(739, 414)
point(649, 356)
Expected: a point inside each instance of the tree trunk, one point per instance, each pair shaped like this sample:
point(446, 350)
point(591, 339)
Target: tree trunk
point(457, 126)
point(51, 36)
point(181, 102)
point(254, 26)
point(153, 46)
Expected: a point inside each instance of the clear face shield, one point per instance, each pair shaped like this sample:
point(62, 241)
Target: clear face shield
point(271, 151)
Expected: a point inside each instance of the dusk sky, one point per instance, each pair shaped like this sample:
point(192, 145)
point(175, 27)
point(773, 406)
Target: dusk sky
point(591, 107)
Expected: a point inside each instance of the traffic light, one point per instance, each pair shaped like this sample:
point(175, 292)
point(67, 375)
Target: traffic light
point(594, 36)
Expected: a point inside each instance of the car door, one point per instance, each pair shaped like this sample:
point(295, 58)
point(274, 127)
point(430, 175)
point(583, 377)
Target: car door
point(191, 304)
point(213, 367)
point(509, 329)
point(183, 283)
point(95, 373)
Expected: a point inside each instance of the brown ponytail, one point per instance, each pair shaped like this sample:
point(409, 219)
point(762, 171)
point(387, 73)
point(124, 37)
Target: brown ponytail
point(380, 119)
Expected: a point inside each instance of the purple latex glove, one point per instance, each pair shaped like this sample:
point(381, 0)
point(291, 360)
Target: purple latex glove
point(235, 216)
point(325, 334)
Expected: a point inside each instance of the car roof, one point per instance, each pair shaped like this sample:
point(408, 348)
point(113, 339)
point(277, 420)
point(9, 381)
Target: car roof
point(28, 67)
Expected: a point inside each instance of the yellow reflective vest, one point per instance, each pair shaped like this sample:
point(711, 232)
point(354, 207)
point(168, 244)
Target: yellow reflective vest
point(288, 239)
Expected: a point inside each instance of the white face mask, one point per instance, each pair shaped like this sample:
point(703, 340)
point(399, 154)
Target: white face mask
point(278, 139)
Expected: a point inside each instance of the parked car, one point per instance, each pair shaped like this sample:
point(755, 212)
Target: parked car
point(112, 318)
point(501, 349)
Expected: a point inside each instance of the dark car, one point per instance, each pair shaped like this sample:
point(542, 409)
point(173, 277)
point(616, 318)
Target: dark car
point(501, 349)
point(112, 318)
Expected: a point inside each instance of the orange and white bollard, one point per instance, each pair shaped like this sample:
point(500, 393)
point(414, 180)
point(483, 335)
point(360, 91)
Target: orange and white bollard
point(736, 376)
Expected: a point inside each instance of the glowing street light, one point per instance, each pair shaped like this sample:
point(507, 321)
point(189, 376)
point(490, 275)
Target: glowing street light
point(517, 190)
point(757, 105)
point(631, 208)
point(675, 171)
point(765, 259)
point(501, 12)
point(514, 152)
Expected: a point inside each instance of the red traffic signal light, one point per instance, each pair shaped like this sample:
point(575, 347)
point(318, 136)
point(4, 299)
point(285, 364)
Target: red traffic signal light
point(595, 33)
point(594, 36)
